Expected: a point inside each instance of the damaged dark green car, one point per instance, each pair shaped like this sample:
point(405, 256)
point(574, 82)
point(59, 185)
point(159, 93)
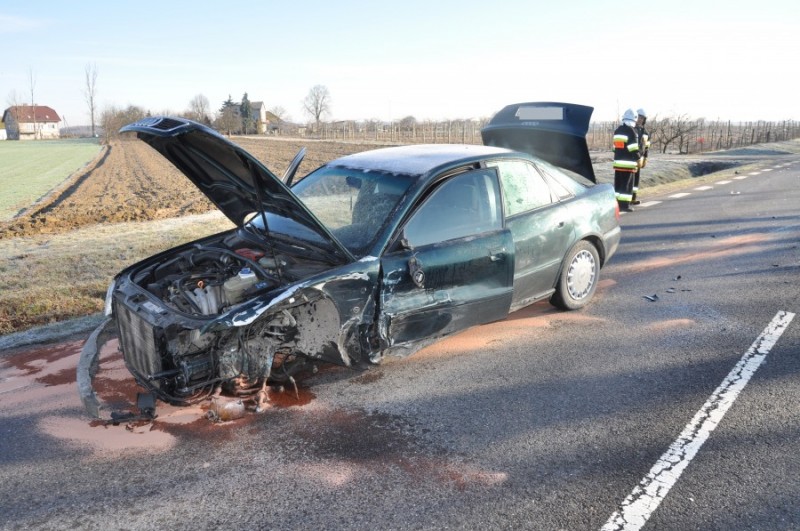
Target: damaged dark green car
point(372, 254)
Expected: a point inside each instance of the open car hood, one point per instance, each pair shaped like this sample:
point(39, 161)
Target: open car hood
point(228, 175)
point(554, 132)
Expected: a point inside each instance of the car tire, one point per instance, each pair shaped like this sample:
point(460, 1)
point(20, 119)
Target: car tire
point(578, 280)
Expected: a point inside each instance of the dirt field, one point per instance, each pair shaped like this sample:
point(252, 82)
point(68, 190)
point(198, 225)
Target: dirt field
point(130, 181)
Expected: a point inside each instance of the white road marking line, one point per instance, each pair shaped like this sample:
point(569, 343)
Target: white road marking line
point(649, 203)
point(646, 497)
point(739, 178)
point(754, 173)
point(704, 188)
point(678, 196)
point(723, 182)
point(767, 169)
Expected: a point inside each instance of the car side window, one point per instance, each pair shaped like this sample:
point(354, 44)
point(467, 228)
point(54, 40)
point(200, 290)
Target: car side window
point(465, 205)
point(524, 188)
point(556, 186)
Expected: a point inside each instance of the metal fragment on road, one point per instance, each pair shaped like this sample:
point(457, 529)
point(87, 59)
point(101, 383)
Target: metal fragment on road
point(652, 298)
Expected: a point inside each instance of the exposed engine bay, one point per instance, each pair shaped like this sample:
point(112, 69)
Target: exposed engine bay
point(206, 280)
point(166, 309)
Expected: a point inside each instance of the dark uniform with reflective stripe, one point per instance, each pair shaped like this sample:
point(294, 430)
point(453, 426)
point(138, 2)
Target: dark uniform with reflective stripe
point(644, 149)
point(626, 163)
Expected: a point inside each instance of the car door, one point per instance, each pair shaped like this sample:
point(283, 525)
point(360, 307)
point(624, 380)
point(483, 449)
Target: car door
point(453, 266)
point(540, 226)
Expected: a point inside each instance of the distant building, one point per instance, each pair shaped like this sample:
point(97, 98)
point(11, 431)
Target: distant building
point(29, 122)
point(2, 130)
point(266, 122)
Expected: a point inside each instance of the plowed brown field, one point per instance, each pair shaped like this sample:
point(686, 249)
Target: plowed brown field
point(132, 182)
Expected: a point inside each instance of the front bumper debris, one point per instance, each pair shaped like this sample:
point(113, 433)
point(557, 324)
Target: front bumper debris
point(89, 363)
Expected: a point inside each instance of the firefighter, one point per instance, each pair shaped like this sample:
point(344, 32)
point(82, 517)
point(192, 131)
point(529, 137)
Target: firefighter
point(626, 160)
point(644, 149)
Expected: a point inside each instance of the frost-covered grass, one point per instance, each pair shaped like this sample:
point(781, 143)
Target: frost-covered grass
point(30, 169)
point(53, 277)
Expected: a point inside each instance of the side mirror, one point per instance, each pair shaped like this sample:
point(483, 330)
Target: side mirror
point(416, 272)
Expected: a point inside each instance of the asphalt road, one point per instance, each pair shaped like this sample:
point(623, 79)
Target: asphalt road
point(546, 420)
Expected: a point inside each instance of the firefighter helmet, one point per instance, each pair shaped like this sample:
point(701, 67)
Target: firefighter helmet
point(629, 115)
point(641, 113)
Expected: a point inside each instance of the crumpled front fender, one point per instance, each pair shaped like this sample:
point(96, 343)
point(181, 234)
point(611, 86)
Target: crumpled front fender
point(89, 363)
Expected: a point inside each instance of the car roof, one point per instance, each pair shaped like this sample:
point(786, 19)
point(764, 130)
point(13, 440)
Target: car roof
point(417, 159)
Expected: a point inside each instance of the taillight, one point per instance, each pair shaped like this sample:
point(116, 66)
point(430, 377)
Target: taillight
point(616, 210)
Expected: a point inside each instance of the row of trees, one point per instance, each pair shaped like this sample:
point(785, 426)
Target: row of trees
point(675, 133)
point(232, 117)
point(679, 133)
point(684, 135)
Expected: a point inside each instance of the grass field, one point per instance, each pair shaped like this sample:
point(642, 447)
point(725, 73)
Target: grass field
point(31, 169)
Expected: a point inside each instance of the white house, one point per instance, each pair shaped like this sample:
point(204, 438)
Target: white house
point(266, 121)
point(29, 122)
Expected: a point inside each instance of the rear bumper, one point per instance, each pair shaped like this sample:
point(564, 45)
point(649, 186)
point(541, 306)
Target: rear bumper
point(611, 241)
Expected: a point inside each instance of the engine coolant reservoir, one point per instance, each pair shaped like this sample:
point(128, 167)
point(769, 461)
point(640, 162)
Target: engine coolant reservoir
point(235, 287)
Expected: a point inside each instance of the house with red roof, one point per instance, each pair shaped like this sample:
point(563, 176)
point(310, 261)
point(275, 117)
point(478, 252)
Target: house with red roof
point(29, 122)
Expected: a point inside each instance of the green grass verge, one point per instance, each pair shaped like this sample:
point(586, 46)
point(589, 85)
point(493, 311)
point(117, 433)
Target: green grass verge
point(30, 169)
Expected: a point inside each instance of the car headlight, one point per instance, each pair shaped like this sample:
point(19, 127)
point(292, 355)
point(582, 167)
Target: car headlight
point(109, 297)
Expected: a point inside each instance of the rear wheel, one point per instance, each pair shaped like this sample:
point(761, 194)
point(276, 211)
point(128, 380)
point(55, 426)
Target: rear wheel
point(578, 280)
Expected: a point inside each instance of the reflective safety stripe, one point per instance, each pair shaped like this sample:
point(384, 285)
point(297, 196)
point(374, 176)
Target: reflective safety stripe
point(624, 197)
point(633, 147)
point(635, 189)
point(620, 141)
point(625, 165)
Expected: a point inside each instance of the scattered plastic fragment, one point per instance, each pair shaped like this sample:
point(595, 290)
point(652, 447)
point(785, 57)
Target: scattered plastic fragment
point(670, 290)
point(652, 298)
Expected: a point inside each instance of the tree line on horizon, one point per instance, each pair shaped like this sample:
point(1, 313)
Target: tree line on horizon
point(676, 132)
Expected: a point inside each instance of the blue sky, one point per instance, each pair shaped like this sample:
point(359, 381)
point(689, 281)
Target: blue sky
point(731, 60)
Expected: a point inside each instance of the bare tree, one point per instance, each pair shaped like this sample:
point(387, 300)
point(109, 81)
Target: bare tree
point(317, 103)
point(199, 109)
point(676, 129)
point(32, 80)
point(113, 118)
point(15, 102)
point(280, 113)
point(90, 93)
point(408, 125)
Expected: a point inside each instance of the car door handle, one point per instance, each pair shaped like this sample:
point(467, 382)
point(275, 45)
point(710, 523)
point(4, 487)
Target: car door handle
point(497, 255)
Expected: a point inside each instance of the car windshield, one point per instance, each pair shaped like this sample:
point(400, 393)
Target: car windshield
point(353, 204)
